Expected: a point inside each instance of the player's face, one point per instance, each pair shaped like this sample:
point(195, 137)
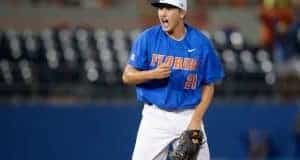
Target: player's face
point(169, 17)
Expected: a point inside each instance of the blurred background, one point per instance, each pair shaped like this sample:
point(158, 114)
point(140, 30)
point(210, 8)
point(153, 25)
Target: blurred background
point(61, 95)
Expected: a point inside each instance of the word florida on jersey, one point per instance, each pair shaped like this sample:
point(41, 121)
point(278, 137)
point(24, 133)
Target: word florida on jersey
point(176, 63)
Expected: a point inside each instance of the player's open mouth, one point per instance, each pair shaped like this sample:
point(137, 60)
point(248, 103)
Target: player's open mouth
point(165, 22)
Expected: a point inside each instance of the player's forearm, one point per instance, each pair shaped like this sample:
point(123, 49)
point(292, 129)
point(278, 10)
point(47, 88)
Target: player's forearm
point(134, 77)
point(207, 96)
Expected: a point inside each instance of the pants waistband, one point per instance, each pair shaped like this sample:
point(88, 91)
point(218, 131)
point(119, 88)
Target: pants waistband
point(168, 110)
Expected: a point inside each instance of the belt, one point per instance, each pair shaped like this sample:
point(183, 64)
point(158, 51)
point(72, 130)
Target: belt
point(168, 110)
point(150, 104)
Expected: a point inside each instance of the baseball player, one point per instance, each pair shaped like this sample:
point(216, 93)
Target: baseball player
point(174, 68)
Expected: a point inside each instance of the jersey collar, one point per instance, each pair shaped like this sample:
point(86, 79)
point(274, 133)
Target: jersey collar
point(181, 38)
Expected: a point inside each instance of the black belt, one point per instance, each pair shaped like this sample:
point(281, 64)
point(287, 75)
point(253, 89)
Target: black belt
point(150, 104)
point(168, 110)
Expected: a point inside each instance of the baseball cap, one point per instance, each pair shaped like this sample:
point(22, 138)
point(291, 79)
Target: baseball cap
point(177, 3)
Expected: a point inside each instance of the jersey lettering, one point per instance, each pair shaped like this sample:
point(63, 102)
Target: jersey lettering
point(169, 60)
point(177, 63)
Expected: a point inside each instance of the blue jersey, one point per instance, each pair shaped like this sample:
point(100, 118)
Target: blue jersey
point(193, 63)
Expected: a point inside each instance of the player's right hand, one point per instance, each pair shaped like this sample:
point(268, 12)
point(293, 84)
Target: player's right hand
point(162, 71)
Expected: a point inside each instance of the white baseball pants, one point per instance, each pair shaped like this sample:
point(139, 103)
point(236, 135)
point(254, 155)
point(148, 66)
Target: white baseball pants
point(158, 129)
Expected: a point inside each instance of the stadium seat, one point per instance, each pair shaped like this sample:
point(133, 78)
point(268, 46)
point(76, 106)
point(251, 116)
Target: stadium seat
point(230, 60)
point(220, 40)
point(55, 58)
point(120, 47)
point(6, 72)
point(247, 61)
point(264, 61)
point(236, 40)
point(30, 45)
point(15, 51)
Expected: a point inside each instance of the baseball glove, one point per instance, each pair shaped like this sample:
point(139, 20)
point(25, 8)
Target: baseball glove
point(188, 145)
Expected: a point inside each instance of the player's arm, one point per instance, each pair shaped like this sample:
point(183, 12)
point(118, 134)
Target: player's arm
point(207, 96)
point(133, 76)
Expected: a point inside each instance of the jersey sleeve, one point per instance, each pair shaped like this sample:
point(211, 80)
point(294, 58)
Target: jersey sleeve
point(213, 69)
point(138, 57)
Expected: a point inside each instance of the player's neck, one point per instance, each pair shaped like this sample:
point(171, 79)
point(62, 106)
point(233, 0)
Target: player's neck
point(178, 33)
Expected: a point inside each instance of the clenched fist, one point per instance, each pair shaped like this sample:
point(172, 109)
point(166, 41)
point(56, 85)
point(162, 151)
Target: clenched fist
point(162, 71)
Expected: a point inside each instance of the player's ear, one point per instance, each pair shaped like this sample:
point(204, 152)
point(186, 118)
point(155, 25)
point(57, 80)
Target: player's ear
point(182, 13)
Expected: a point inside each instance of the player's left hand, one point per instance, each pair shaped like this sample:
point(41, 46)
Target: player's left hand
point(188, 145)
point(194, 125)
